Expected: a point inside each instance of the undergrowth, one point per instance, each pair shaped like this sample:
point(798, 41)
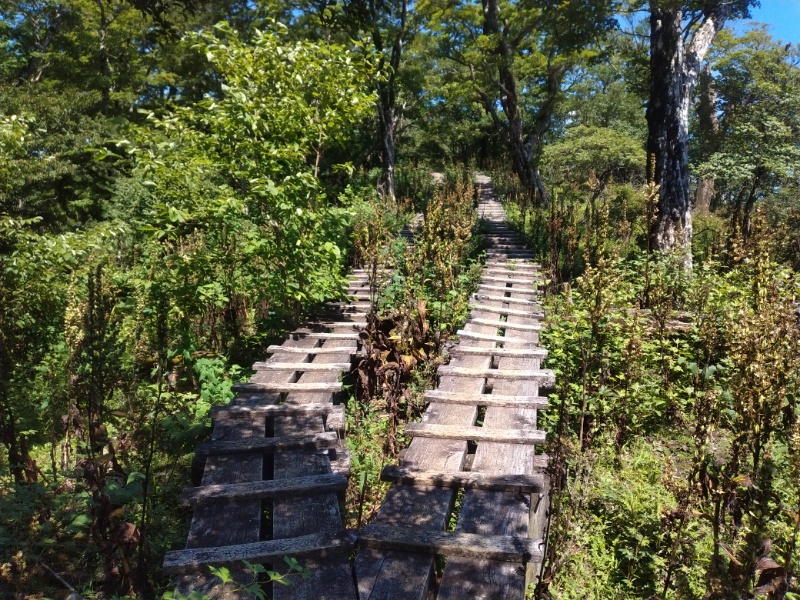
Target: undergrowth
point(674, 427)
point(424, 302)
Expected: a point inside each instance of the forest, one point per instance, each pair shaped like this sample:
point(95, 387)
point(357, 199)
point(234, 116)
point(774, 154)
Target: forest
point(184, 182)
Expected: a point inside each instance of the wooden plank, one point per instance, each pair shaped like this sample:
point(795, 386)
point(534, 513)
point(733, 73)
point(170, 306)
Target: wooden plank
point(301, 367)
point(545, 377)
point(506, 299)
point(315, 484)
point(531, 314)
point(294, 516)
point(233, 411)
point(513, 267)
point(507, 325)
point(320, 350)
point(537, 353)
point(285, 388)
point(271, 551)
point(242, 521)
point(512, 253)
point(349, 306)
point(325, 336)
point(500, 288)
point(505, 548)
point(522, 256)
point(521, 483)
point(486, 512)
point(531, 270)
point(505, 400)
point(310, 441)
point(488, 337)
point(476, 434)
point(509, 279)
point(356, 323)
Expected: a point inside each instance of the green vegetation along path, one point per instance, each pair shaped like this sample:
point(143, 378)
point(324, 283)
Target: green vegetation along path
point(471, 486)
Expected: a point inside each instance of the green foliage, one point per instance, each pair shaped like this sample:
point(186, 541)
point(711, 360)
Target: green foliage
point(417, 311)
point(115, 340)
point(618, 507)
point(595, 153)
point(438, 271)
point(755, 152)
point(702, 364)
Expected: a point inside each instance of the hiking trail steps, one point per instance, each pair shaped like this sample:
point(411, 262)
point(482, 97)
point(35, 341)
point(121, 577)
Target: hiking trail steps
point(495, 549)
point(276, 466)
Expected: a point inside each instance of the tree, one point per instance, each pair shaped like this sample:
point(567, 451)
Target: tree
point(706, 134)
point(757, 147)
point(680, 35)
point(389, 28)
point(515, 56)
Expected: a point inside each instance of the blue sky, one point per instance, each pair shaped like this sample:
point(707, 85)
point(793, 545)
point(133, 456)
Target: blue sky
point(783, 17)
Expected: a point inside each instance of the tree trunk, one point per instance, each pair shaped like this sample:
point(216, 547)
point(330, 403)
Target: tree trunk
point(388, 115)
point(673, 74)
point(386, 128)
point(524, 148)
point(751, 201)
point(32, 71)
point(703, 195)
point(708, 131)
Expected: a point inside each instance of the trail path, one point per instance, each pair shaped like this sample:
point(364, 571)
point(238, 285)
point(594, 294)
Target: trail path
point(276, 467)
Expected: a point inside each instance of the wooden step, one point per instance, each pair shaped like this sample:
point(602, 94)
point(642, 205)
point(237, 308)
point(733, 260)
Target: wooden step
point(522, 483)
point(499, 400)
point(254, 490)
point(476, 434)
point(459, 350)
point(355, 318)
point(320, 350)
point(358, 325)
point(349, 306)
point(500, 241)
point(325, 336)
point(525, 268)
point(305, 441)
point(488, 337)
point(494, 245)
point(300, 367)
point(500, 288)
point(506, 325)
point(471, 545)
point(530, 314)
point(268, 552)
point(510, 255)
point(523, 301)
point(545, 377)
point(527, 282)
point(529, 269)
point(286, 388)
point(532, 277)
point(233, 411)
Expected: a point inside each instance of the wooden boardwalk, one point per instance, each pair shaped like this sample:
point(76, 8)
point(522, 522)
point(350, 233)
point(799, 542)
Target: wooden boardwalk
point(475, 447)
point(276, 467)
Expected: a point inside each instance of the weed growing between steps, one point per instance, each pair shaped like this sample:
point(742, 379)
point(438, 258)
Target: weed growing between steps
point(425, 302)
